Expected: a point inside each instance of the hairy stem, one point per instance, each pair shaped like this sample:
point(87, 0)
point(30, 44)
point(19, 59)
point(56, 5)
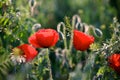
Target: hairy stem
point(49, 64)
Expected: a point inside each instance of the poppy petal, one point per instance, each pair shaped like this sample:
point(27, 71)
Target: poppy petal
point(114, 62)
point(32, 40)
point(56, 38)
point(29, 51)
point(82, 41)
point(44, 38)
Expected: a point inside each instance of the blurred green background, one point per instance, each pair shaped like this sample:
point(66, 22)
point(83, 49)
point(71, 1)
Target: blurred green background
point(18, 17)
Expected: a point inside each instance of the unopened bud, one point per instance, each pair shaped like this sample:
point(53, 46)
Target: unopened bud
point(36, 27)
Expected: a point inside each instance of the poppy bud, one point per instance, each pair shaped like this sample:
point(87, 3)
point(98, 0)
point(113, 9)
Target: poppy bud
point(36, 27)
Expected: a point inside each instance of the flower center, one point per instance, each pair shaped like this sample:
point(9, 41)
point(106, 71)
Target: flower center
point(17, 51)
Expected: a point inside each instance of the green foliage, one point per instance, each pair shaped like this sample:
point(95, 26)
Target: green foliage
point(15, 26)
point(20, 18)
point(96, 66)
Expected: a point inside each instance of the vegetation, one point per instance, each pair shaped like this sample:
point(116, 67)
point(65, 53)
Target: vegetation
point(20, 19)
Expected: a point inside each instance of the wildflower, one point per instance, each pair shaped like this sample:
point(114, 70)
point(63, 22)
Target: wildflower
point(82, 41)
point(23, 53)
point(44, 38)
point(114, 62)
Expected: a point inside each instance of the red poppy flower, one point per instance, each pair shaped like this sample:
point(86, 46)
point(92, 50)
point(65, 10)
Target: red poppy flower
point(28, 51)
point(114, 62)
point(44, 38)
point(82, 41)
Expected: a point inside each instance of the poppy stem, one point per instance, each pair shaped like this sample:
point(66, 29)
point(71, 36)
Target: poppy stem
point(71, 40)
point(49, 64)
point(65, 40)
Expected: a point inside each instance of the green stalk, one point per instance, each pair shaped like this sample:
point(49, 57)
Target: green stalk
point(65, 40)
point(71, 40)
point(49, 64)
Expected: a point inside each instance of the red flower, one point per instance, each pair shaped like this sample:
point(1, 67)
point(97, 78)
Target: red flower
point(28, 51)
point(81, 41)
point(114, 62)
point(44, 38)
